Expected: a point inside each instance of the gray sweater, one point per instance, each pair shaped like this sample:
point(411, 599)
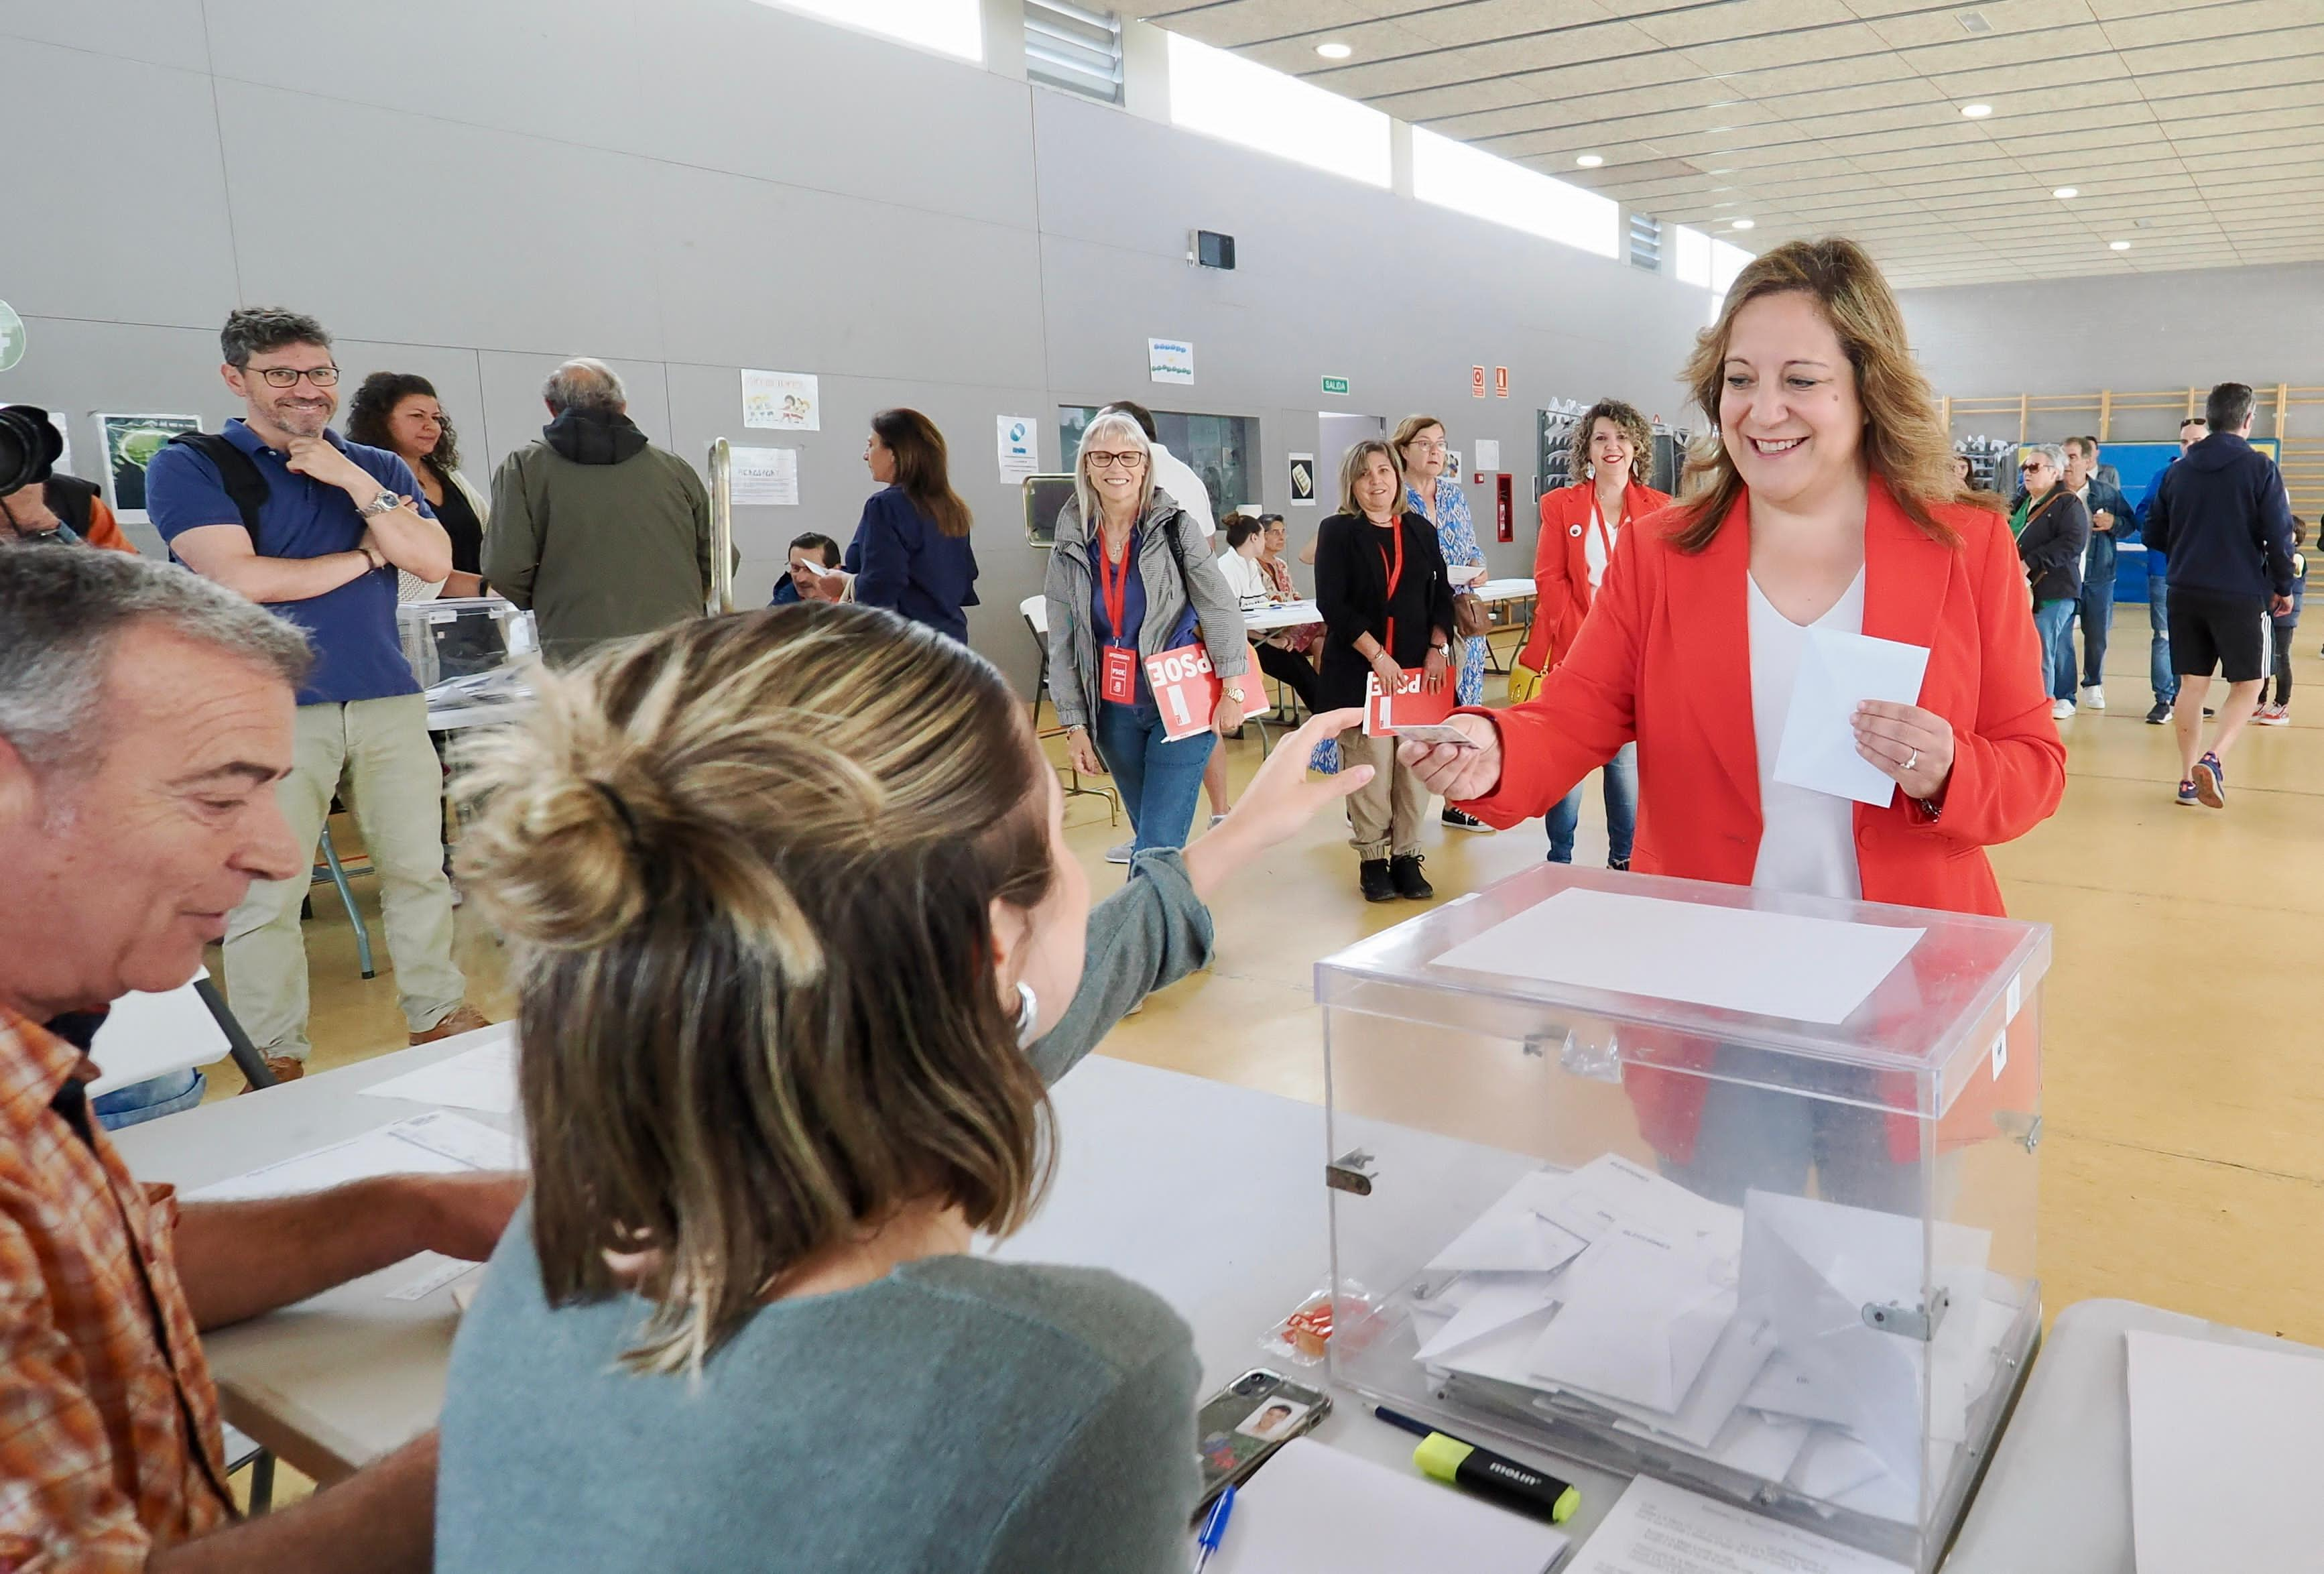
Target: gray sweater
point(958, 1415)
point(1073, 634)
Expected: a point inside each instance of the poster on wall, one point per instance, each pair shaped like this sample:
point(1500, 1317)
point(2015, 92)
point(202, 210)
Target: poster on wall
point(12, 336)
point(786, 401)
point(1303, 481)
point(1020, 448)
point(130, 441)
point(1488, 453)
point(763, 476)
point(1170, 361)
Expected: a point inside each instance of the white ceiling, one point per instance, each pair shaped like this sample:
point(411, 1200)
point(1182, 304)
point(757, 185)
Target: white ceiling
point(2194, 129)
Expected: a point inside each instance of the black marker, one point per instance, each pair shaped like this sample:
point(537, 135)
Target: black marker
point(1487, 1474)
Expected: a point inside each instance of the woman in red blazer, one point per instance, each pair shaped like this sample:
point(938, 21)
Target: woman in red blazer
point(1579, 527)
point(1831, 500)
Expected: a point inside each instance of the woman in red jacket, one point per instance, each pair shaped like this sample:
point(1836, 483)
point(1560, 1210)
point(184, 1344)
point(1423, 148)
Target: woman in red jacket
point(1579, 527)
point(1828, 501)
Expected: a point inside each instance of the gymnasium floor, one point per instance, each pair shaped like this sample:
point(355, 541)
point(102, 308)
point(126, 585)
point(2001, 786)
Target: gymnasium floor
point(2183, 1147)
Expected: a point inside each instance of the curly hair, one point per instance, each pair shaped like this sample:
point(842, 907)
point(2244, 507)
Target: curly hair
point(1634, 427)
point(376, 400)
point(1905, 442)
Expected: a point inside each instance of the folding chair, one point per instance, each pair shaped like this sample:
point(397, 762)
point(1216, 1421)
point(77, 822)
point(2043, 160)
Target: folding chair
point(332, 871)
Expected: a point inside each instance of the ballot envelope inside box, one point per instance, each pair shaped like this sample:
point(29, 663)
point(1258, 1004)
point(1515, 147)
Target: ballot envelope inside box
point(1728, 1187)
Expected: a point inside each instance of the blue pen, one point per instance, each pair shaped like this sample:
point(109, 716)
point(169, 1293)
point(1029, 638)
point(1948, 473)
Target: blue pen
point(1214, 1529)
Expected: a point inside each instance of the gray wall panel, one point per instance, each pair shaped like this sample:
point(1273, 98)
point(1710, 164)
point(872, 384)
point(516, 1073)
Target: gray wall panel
point(163, 33)
point(494, 240)
point(115, 211)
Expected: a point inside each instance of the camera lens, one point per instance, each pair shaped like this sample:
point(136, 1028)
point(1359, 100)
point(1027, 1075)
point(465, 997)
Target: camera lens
point(1251, 1383)
point(29, 446)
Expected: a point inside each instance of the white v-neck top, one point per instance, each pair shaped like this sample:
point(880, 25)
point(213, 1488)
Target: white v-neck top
point(1807, 839)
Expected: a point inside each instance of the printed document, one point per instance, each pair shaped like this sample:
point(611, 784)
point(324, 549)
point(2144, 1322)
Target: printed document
point(1660, 1529)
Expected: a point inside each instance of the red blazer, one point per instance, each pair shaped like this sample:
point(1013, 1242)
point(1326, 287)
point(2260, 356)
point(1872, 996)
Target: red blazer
point(1561, 566)
point(1665, 657)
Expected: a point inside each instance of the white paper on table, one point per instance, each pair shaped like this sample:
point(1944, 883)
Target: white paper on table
point(359, 1158)
point(1660, 1529)
point(1312, 1509)
point(764, 477)
point(1640, 1326)
point(483, 1078)
point(1838, 672)
point(1464, 573)
point(1512, 1237)
point(1738, 958)
point(2224, 1441)
point(427, 1273)
point(1490, 1308)
point(456, 1137)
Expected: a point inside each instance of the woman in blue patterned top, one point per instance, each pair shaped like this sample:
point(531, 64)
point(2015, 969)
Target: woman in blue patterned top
point(1437, 498)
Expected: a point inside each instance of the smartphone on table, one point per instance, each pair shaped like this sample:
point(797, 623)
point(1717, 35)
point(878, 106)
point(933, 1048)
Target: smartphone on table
point(1244, 1423)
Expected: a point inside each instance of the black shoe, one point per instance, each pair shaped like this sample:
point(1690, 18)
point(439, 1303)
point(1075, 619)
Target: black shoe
point(1454, 820)
point(2160, 714)
point(1373, 876)
point(1410, 883)
point(2208, 713)
point(1620, 865)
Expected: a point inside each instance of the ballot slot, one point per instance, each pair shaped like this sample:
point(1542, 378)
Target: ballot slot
point(1786, 1261)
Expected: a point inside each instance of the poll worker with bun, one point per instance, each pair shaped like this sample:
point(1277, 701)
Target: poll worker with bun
point(799, 942)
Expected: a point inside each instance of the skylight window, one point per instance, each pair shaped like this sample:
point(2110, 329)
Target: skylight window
point(1225, 95)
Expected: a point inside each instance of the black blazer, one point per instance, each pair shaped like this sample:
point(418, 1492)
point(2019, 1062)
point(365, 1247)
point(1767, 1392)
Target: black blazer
point(1352, 565)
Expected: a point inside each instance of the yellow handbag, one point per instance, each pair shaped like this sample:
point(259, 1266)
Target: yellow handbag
point(1524, 682)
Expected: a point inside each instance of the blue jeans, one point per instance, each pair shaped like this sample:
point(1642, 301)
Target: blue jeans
point(2159, 674)
point(1621, 779)
point(2053, 622)
point(149, 1100)
point(2097, 622)
point(1159, 781)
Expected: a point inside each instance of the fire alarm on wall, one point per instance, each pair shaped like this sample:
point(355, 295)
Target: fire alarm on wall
point(1212, 250)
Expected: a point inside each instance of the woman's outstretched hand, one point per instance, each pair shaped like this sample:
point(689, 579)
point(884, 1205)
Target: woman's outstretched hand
point(1279, 800)
point(1457, 774)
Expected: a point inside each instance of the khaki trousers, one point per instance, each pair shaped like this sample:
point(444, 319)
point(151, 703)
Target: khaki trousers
point(1386, 811)
point(375, 755)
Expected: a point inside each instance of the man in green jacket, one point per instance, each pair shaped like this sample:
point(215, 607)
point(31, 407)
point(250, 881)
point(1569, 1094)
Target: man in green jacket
point(601, 534)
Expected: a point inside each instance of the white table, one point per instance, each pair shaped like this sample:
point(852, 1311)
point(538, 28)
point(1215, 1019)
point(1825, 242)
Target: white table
point(1209, 1195)
point(1290, 614)
point(1500, 590)
point(2057, 1496)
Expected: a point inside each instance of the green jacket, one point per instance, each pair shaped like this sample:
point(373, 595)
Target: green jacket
point(608, 545)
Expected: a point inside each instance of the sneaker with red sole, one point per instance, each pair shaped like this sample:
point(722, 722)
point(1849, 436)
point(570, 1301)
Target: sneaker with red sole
point(2272, 716)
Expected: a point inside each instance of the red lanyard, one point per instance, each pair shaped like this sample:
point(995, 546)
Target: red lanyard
point(1394, 578)
point(1114, 589)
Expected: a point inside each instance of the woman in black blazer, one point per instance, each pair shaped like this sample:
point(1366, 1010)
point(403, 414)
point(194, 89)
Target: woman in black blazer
point(1387, 606)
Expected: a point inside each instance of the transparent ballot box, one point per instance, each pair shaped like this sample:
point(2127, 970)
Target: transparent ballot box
point(462, 636)
point(1727, 1187)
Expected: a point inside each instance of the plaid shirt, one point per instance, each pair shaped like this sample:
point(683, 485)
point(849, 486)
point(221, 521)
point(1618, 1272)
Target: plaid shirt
point(109, 1443)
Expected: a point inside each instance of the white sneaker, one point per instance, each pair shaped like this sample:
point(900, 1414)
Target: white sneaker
point(1121, 854)
point(2094, 696)
point(2063, 710)
point(1217, 820)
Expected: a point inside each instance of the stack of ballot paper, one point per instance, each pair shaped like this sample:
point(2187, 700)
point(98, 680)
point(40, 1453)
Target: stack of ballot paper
point(1612, 1297)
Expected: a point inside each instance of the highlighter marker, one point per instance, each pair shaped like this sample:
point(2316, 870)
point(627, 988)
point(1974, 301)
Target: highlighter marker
point(1487, 1474)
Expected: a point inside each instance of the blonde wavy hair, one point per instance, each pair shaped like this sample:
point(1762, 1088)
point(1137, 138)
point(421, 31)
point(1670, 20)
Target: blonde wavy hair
point(1905, 443)
point(745, 870)
point(1634, 427)
point(1356, 460)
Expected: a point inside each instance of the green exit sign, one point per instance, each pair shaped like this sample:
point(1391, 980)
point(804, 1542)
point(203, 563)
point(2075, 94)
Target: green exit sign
point(1335, 386)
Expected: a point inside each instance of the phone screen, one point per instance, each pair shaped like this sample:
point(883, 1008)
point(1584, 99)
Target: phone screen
point(1436, 732)
point(1248, 1420)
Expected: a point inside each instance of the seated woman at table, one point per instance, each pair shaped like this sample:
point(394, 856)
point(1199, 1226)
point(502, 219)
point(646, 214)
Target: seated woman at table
point(799, 942)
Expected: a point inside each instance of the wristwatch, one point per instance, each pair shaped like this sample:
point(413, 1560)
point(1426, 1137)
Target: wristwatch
point(1232, 692)
point(385, 503)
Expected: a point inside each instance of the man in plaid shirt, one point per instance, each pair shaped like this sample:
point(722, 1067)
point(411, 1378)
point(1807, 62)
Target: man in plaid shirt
point(145, 716)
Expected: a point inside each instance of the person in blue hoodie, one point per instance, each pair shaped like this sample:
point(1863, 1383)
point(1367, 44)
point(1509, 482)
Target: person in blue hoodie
point(2223, 519)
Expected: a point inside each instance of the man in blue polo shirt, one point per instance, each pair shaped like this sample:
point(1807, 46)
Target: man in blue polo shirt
point(339, 520)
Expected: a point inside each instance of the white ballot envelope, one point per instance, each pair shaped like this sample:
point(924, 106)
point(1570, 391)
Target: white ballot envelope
point(1638, 1315)
point(1512, 1236)
point(1822, 1266)
point(1496, 1301)
point(1838, 672)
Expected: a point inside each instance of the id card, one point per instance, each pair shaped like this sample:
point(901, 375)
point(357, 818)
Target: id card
point(1117, 676)
point(1409, 707)
point(1185, 689)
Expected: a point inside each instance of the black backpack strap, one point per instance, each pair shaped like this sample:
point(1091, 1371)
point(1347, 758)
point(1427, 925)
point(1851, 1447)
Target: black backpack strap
point(237, 472)
point(69, 498)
